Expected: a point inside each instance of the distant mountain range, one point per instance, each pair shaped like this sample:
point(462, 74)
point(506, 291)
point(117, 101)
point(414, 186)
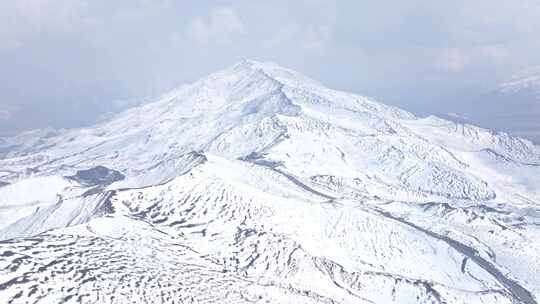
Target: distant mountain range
point(513, 106)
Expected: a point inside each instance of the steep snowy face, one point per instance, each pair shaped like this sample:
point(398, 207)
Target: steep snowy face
point(231, 113)
point(257, 184)
point(188, 119)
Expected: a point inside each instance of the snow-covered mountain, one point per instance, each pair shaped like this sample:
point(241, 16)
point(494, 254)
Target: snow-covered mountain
point(513, 106)
point(525, 80)
point(259, 185)
point(516, 104)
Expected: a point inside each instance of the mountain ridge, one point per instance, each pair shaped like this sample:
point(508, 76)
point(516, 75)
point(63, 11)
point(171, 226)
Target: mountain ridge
point(263, 185)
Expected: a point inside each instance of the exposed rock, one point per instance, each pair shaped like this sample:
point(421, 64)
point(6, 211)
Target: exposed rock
point(99, 175)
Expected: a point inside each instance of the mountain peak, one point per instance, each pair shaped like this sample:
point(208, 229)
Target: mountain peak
point(258, 65)
point(260, 184)
point(274, 71)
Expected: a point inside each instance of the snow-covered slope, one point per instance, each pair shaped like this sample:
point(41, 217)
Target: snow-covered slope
point(259, 185)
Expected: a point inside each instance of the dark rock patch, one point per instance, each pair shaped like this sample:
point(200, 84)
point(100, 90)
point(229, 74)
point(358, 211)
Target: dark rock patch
point(99, 175)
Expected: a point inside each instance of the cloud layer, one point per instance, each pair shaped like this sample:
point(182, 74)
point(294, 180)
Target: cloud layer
point(221, 26)
point(67, 62)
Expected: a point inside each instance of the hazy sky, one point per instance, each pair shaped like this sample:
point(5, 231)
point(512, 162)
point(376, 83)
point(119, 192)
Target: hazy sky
point(66, 62)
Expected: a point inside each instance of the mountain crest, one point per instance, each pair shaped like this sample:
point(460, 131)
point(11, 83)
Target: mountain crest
point(265, 186)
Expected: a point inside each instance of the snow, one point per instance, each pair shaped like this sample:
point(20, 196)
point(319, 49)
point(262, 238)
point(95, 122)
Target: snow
point(258, 184)
point(23, 198)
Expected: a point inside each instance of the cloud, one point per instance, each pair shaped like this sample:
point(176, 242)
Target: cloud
point(283, 35)
point(458, 59)
point(5, 115)
point(454, 60)
point(311, 29)
point(308, 37)
point(99, 51)
point(221, 26)
point(498, 54)
point(317, 37)
point(509, 17)
point(21, 19)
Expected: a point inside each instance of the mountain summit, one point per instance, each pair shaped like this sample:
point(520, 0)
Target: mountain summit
point(257, 184)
